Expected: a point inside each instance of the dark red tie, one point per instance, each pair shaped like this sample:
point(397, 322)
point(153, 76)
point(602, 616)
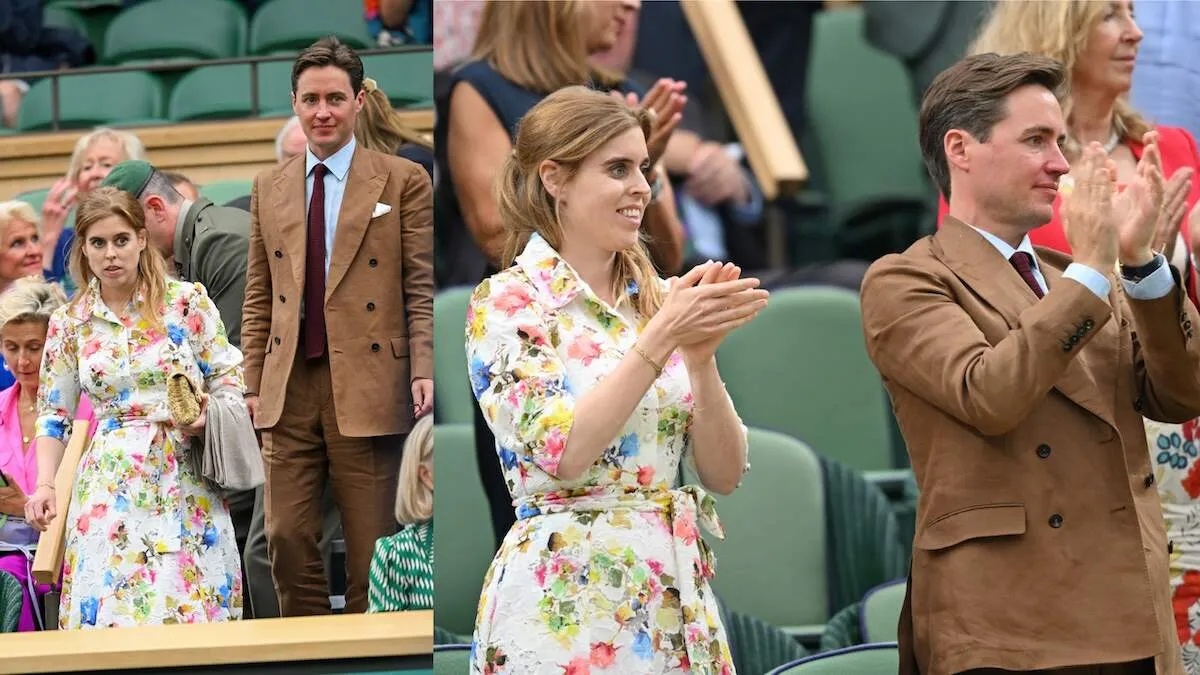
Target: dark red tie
point(1024, 264)
point(314, 269)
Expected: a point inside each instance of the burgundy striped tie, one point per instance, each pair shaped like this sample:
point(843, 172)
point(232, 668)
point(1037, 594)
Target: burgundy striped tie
point(1024, 264)
point(314, 269)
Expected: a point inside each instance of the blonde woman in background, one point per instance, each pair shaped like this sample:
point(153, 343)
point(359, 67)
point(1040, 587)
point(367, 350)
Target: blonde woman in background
point(21, 255)
point(95, 154)
point(401, 575)
point(588, 369)
point(380, 128)
point(148, 542)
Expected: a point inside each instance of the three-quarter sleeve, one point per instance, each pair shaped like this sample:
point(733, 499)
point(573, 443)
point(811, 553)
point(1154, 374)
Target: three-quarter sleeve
point(219, 361)
point(58, 391)
point(517, 376)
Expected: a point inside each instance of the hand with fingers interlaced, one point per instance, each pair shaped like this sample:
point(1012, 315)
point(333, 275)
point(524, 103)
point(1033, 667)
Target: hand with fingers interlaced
point(705, 305)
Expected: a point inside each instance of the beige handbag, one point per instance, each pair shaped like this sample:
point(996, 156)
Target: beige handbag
point(184, 400)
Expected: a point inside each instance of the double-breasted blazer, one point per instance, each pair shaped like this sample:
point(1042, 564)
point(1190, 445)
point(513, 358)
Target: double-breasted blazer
point(378, 292)
point(1040, 540)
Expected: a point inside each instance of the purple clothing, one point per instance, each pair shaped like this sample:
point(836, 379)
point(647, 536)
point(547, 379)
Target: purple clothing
point(16, 564)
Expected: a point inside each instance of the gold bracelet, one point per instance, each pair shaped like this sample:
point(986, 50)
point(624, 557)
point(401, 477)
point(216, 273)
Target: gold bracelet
point(46, 483)
point(646, 357)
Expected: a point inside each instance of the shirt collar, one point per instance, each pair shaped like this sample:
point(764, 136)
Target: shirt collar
point(553, 277)
point(338, 163)
point(89, 303)
point(178, 254)
point(1026, 246)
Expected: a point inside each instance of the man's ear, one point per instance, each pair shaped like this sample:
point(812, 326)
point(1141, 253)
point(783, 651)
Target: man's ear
point(154, 203)
point(552, 176)
point(957, 144)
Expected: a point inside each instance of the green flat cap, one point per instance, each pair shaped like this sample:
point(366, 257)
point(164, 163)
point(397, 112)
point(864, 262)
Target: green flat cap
point(131, 176)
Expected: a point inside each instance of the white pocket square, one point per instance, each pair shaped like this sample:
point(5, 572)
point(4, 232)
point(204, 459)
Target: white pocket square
point(380, 209)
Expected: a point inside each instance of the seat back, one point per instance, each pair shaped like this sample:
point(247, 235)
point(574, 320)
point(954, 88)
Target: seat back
point(772, 561)
point(291, 25)
point(880, 613)
point(454, 401)
point(406, 78)
point(89, 100)
point(222, 192)
point(869, 659)
point(451, 659)
point(211, 92)
point(802, 368)
point(462, 540)
point(216, 29)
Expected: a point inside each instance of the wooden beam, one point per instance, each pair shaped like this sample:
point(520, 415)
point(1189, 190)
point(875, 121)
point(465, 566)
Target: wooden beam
point(747, 94)
point(233, 642)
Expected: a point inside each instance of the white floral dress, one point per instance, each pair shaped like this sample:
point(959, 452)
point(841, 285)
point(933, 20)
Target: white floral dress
point(606, 573)
point(147, 542)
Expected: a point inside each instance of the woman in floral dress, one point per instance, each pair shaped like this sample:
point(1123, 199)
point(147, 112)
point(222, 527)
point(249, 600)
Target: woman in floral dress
point(147, 541)
point(590, 370)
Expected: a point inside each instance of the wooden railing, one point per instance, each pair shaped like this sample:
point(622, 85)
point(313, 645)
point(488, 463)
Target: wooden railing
point(339, 644)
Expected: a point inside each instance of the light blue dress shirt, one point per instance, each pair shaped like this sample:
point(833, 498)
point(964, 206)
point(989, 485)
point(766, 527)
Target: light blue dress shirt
point(338, 166)
point(1157, 285)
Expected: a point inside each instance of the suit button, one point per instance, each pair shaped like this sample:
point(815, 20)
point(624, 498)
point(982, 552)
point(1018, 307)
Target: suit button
point(1074, 339)
point(1067, 346)
point(375, 347)
point(370, 307)
point(1149, 480)
point(282, 299)
point(372, 262)
point(1056, 521)
point(1043, 451)
point(1088, 324)
point(278, 253)
point(1137, 404)
point(276, 340)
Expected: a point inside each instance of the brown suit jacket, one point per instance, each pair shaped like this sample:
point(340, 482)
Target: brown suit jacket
point(1040, 540)
point(378, 295)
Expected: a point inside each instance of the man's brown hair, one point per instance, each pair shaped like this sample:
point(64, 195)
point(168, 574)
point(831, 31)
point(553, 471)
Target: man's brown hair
point(329, 51)
point(971, 95)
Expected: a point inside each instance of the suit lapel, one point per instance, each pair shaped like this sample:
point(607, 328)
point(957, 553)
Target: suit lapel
point(974, 260)
point(291, 215)
point(364, 185)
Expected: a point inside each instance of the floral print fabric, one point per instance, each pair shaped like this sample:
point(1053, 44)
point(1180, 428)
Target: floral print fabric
point(606, 573)
point(147, 541)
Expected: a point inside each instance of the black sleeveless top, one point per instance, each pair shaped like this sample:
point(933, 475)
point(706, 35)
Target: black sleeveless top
point(458, 260)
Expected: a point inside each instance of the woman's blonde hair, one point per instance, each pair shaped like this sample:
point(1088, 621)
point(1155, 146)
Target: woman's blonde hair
point(1060, 31)
point(129, 142)
point(565, 128)
point(540, 45)
point(18, 210)
point(379, 126)
point(414, 501)
point(30, 299)
point(105, 202)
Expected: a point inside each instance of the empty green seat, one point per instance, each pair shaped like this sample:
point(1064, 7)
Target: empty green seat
point(463, 543)
point(34, 198)
point(281, 26)
point(454, 401)
point(451, 659)
point(224, 191)
point(802, 368)
point(210, 29)
point(406, 77)
point(88, 100)
point(881, 608)
point(63, 16)
point(224, 92)
point(872, 659)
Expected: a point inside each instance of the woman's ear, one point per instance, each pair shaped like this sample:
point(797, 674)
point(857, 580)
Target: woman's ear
point(552, 177)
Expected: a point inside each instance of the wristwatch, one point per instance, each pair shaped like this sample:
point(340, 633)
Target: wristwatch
point(656, 187)
point(1136, 274)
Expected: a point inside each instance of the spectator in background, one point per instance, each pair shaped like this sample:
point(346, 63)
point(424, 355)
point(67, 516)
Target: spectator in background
point(399, 22)
point(27, 44)
point(183, 185)
point(21, 256)
point(526, 50)
point(95, 154)
point(455, 25)
point(1166, 82)
point(289, 142)
point(25, 309)
point(380, 128)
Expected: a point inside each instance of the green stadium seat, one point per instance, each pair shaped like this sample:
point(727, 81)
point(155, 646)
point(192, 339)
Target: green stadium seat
point(285, 26)
point(224, 191)
point(463, 544)
point(455, 404)
point(406, 77)
point(223, 92)
point(215, 29)
point(87, 100)
point(34, 198)
point(63, 16)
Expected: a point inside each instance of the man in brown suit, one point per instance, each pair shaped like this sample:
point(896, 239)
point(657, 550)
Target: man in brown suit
point(1020, 379)
point(337, 330)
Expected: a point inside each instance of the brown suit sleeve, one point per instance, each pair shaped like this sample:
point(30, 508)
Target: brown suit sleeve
point(1167, 355)
point(416, 248)
point(920, 338)
point(256, 306)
